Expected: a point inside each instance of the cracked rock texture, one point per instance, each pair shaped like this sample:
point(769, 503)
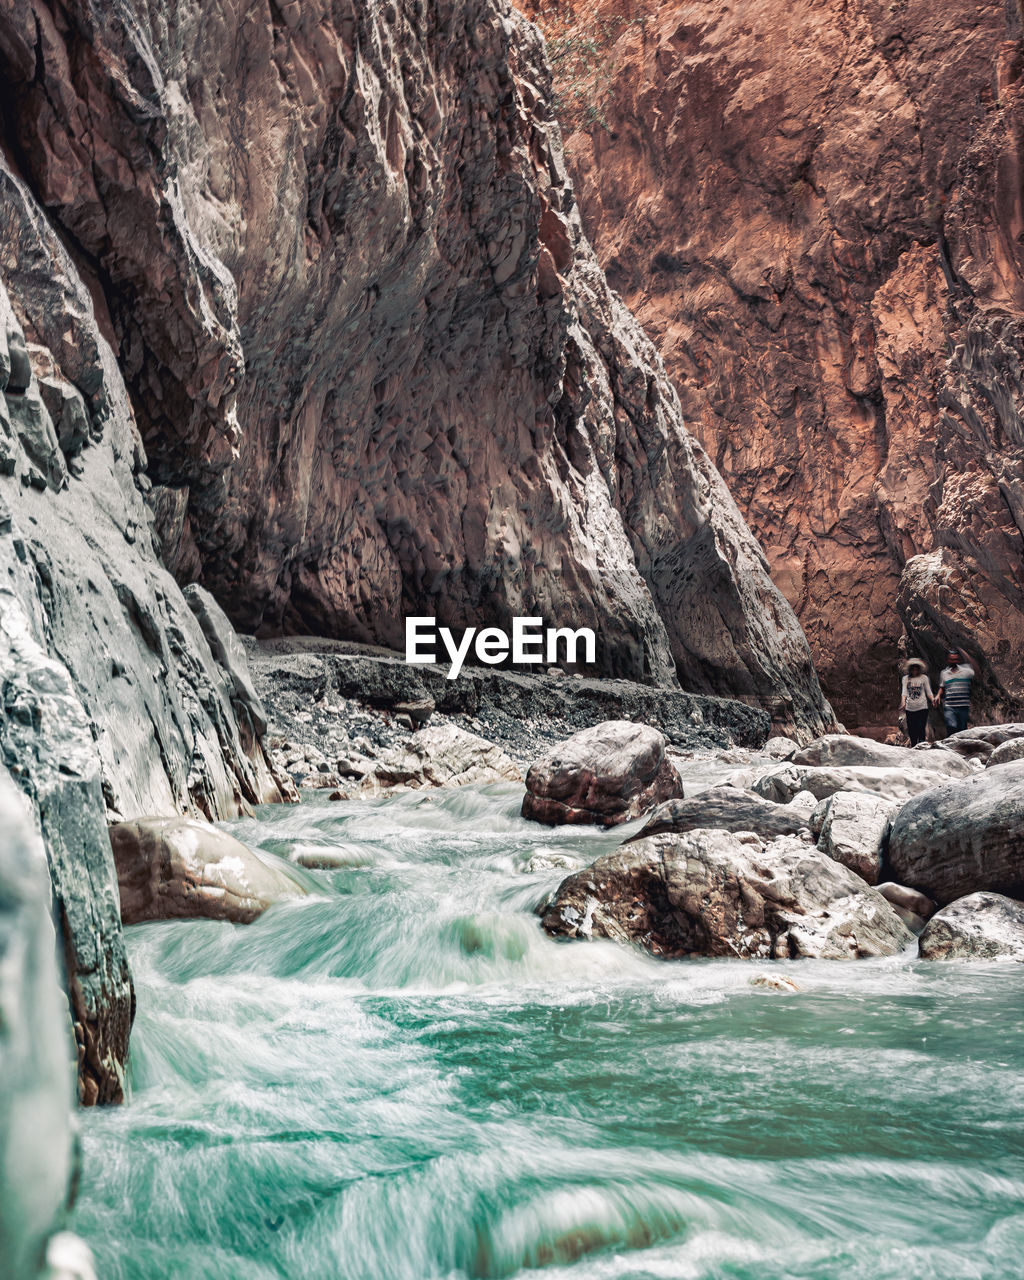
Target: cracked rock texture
point(815, 211)
point(374, 362)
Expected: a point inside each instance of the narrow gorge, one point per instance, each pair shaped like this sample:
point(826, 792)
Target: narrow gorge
point(302, 335)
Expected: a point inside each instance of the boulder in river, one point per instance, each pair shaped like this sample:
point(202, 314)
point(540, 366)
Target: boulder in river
point(441, 756)
point(892, 783)
point(842, 750)
point(851, 828)
point(727, 809)
point(605, 775)
point(963, 836)
point(716, 893)
point(182, 868)
point(982, 926)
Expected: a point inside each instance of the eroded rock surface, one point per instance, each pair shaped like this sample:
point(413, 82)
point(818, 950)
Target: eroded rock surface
point(814, 210)
point(841, 750)
point(349, 230)
point(606, 775)
point(852, 828)
point(182, 868)
point(441, 756)
point(963, 837)
point(981, 926)
point(714, 893)
point(728, 809)
point(789, 780)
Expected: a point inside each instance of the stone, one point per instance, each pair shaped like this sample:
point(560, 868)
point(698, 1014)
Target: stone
point(993, 735)
point(606, 775)
point(183, 868)
point(716, 893)
point(37, 1148)
point(417, 710)
point(227, 651)
point(47, 744)
point(781, 748)
point(852, 828)
point(774, 982)
point(441, 756)
point(962, 837)
point(980, 926)
point(782, 784)
point(913, 908)
point(841, 750)
point(1006, 751)
point(725, 809)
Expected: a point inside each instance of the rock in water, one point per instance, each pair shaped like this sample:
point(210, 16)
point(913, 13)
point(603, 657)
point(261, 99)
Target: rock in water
point(712, 893)
point(36, 1050)
point(840, 750)
point(965, 836)
point(172, 868)
point(47, 743)
point(982, 926)
point(727, 809)
point(605, 775)
point(913, 908)
point(852, 828)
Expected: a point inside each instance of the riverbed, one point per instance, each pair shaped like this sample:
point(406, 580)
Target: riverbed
point(402, 1078)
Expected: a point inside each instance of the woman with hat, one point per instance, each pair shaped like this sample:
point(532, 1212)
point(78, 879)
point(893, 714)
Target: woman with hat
point(915, 698)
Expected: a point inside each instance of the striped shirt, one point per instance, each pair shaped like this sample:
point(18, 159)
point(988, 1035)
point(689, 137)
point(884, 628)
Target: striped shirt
point(956, 681)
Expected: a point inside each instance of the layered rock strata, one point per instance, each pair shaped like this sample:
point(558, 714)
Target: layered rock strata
point(815, 211)
point(375, 365)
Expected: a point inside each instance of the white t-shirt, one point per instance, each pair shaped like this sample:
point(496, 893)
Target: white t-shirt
point(917, 693)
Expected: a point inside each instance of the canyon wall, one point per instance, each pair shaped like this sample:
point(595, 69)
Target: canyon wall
point(815, 211)
point(373, 361)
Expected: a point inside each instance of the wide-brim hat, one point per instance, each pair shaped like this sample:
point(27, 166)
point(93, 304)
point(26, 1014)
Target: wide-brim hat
point(915, 662)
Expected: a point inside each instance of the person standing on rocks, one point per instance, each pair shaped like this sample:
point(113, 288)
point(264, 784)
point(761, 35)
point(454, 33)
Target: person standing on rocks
point(955, 690)
point(916, 697)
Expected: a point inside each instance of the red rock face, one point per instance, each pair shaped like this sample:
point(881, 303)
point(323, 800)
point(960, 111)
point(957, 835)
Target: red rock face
point(815, 211)
point(374, 362)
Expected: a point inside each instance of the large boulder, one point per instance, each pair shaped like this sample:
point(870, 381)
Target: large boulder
point(782, 784)
point(715, 893)
point(36, 1050)
point(1005, 752)
point(727, 809)
point(993, 735)
point(964, 836)
point(605, 775)
point(172, 868)
point(841, 750)
point(851, 827)
point(441, 756)
point(982, 926)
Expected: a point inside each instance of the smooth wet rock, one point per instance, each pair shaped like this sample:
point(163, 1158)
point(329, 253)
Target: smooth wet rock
point(962, 837)
point(182, 868)
point(774, 982)
point(726, 809)
point(913, 908)
point(609, 774)
point(715, 893)
point(842, 750)
point(851, 828)
point(981, 926)
point(37, 1055)
point(441, 756)
point(782, 784)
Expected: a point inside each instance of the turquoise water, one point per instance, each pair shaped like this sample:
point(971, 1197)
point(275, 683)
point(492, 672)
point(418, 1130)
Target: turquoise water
point(404, 1078)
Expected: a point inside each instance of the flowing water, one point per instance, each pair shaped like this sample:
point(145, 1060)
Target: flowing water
point(403, 1078)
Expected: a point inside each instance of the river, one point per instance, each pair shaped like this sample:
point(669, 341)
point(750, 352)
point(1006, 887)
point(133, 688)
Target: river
point(402, 1078)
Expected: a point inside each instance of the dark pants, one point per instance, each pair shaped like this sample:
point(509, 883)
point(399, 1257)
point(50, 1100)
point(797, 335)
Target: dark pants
point(955, 717)
point(917, 726)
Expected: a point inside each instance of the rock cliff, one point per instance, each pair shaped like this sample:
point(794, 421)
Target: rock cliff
point(815, 211)
point(374, 363)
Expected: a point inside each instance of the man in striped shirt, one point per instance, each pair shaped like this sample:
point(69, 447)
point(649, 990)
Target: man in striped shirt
point(955, 690)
